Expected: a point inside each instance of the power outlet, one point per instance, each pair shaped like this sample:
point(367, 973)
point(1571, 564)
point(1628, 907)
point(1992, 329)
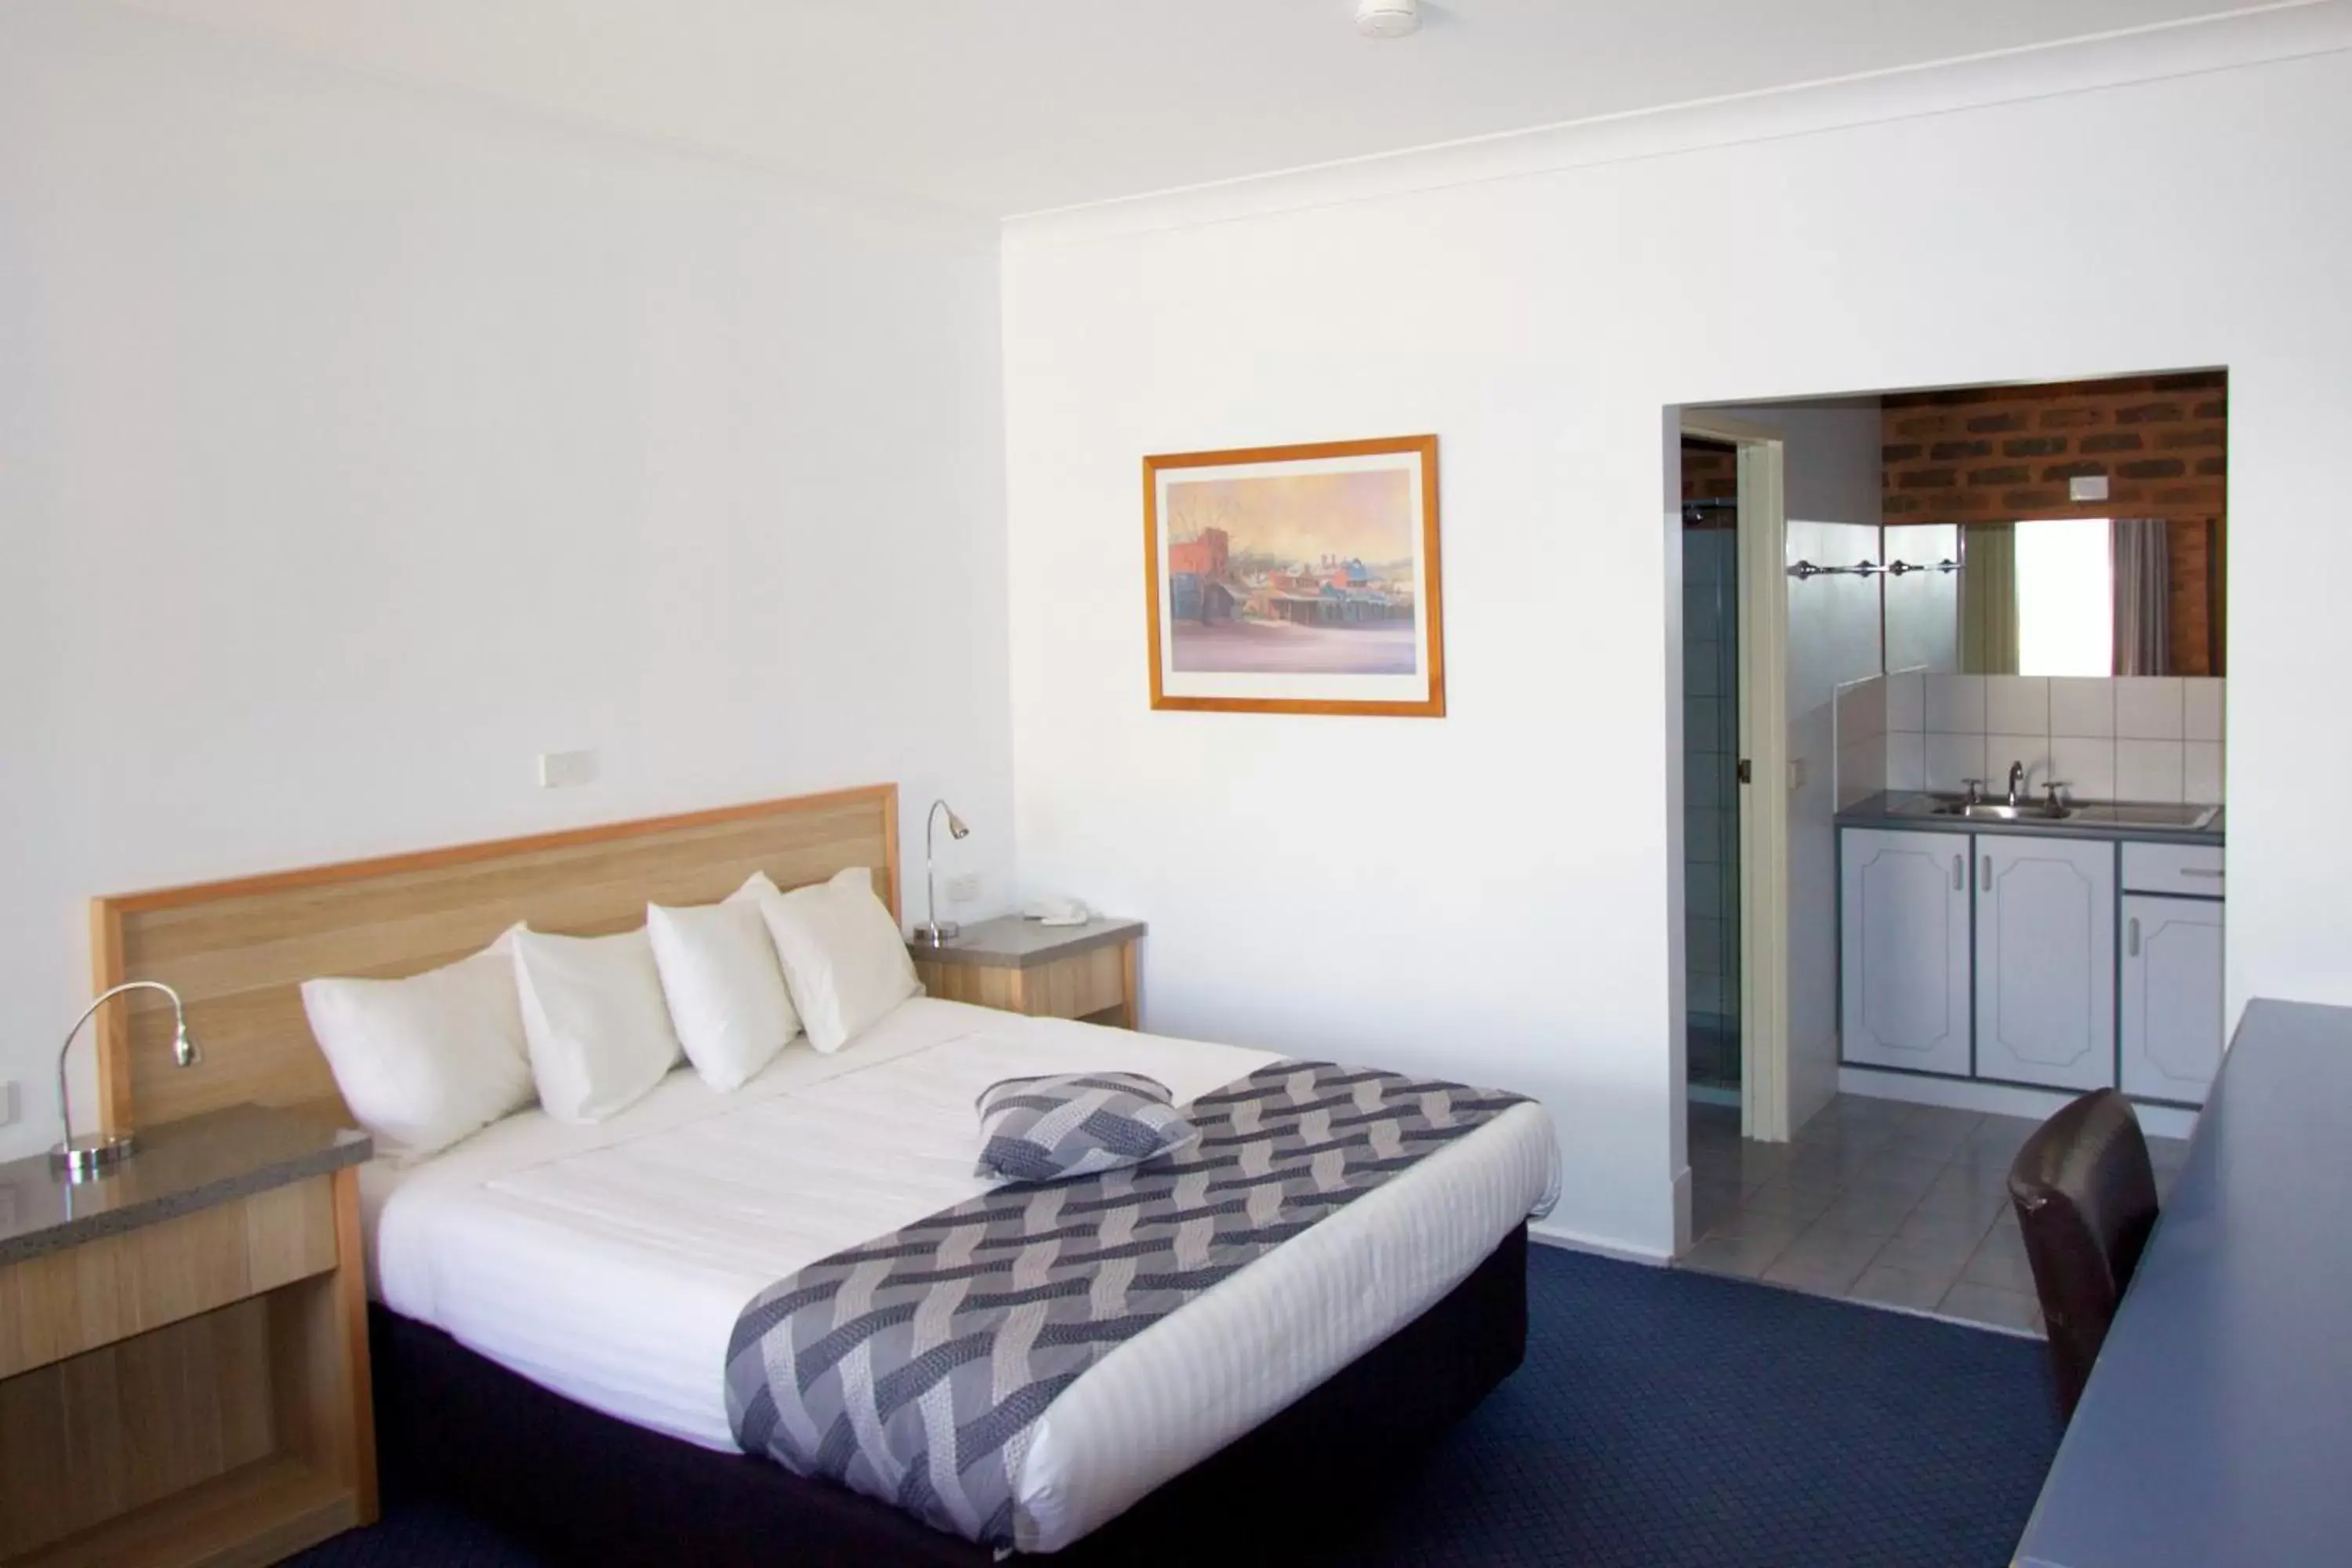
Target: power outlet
point(965, 889)
point(566, 770)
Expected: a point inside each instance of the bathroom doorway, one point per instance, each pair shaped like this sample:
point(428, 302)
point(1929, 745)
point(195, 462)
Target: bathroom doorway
point(1711, 767)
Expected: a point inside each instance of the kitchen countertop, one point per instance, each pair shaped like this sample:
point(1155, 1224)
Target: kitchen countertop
point(1883, 810)
point(178, 1168)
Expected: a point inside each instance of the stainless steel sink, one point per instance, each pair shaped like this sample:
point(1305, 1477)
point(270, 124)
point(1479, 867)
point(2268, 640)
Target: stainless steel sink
point(2152, 816)
point(2172, 818)
point(1996, 811)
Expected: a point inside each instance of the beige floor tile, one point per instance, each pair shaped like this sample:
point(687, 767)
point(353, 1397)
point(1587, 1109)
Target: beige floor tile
point(1899, 1287)
point(1711, 1201)
point(1745, 1257)
point(1778, 1196)
point(1956, 1233)
point(1758, 1224)
point(2006, 1134)
point(1953, 1194)
point(1866, 1213)
point(1824, 1260)
point(1897, 1172)
point(1999, 1261)
point(1984, 1304)
point(1942, 1260)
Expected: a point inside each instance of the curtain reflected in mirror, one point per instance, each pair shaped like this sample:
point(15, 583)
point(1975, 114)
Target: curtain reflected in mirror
point(2068, 597)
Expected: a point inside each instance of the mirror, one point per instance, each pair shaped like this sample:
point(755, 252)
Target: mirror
point(2088, 597)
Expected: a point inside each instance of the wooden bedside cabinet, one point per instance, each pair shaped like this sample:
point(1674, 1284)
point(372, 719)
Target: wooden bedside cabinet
point(184, 1357)
point(1047, 972)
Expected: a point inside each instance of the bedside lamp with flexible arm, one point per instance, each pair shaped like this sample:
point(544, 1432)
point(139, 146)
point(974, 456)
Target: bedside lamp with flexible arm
point(932, 933)
point(94, 1154)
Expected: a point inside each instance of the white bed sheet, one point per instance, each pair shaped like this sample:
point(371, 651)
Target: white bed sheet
point(608, 1263)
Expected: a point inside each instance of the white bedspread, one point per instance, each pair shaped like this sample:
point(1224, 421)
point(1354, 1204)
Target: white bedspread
point(608, 1263)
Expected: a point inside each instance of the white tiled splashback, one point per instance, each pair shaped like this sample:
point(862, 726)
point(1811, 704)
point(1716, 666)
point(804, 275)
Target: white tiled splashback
point(2128, 738)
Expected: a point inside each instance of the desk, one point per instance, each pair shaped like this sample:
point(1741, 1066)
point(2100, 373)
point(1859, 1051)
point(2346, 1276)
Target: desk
point(183, 1348)
point(2217, 1426)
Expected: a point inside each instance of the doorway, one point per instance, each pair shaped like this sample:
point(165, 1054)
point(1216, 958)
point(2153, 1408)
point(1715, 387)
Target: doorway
point(1711, 903)
point(1731, 539)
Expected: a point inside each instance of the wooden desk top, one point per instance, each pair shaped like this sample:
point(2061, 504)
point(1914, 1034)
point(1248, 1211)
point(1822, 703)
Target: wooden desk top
point(2216, 1426)
point(1009, 942)
point(179, 1167)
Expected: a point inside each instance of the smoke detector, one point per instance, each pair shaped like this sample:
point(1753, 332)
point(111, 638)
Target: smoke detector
point(1387, 18)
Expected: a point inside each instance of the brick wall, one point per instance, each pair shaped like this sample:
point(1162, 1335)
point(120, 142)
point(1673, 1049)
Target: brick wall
point(1709, 472)
point(1999, 454)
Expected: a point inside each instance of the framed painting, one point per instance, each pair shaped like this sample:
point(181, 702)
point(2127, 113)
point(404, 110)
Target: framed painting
point(1295, 579)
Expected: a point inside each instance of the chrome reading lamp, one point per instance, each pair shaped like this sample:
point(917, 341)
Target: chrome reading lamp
point(932, 933)
point(95, 1155)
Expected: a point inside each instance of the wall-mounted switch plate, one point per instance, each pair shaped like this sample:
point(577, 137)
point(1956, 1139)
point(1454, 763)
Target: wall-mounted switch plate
point(2087, 487)
point(566, 770)
point(963, 890)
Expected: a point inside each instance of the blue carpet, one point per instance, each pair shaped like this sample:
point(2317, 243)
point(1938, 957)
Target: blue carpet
point(1662, 1418)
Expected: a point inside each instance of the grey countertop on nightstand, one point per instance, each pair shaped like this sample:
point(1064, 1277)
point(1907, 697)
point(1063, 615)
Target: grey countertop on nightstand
point(1009, 942)
point(179, 1167)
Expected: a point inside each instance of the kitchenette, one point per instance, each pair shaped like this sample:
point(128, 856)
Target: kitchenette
point(2031, 888)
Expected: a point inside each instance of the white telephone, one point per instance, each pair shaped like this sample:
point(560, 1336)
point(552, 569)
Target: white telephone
point(1054, 911)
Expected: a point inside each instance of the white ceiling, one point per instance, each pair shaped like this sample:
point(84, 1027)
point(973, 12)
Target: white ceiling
point(1010, 106)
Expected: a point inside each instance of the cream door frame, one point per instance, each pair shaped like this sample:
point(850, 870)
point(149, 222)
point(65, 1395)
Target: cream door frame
point(1764, 742)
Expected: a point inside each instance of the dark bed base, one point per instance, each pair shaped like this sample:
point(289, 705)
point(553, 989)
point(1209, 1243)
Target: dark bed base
point(581, 1486)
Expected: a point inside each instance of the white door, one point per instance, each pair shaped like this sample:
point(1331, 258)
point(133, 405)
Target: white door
point(1903, 934)
point(2046, 960)
point(2172, 996)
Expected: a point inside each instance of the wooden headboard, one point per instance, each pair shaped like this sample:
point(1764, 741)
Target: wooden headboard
point(237, 951)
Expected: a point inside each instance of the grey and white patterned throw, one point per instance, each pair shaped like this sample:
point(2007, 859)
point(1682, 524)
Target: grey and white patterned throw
point(1076, 1124)
point(913, 1368)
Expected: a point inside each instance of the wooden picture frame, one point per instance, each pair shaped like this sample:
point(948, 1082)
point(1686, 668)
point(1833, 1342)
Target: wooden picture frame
point(1299, 579)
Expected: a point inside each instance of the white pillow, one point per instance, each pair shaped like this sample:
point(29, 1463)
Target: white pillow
point(725, 990)
point(599, 1031)
point(842, 955)
point(427, 1060)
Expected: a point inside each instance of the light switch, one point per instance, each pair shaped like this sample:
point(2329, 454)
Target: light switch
point(2087, 487)
point(566, 770)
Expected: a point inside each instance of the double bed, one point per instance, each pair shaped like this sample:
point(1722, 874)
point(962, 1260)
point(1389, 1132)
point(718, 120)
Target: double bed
point(554, 1302)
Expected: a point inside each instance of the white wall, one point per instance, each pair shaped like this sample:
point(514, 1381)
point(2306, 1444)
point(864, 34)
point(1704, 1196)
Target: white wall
point(357, 444)
point(1493, 895)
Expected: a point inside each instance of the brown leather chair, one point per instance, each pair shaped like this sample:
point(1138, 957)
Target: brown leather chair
point(2085, 1199)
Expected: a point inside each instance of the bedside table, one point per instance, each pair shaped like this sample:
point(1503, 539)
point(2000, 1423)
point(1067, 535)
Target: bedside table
point(184, 1356)
point(1047, 972)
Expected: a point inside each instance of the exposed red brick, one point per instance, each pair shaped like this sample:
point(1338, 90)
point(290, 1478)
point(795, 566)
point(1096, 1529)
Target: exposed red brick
point(2112, 441)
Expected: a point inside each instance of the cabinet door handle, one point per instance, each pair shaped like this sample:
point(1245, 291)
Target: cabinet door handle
point(2199, 871)
point(1960, 876)
point(1984, 874)
point(2131, 937)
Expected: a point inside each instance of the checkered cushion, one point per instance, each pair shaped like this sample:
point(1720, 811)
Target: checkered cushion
point(1075, 1124)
